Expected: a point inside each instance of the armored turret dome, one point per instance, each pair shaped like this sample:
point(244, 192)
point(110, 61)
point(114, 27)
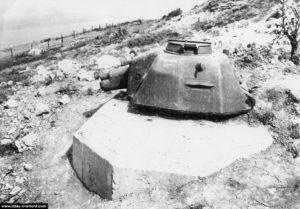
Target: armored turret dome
point(185, 77)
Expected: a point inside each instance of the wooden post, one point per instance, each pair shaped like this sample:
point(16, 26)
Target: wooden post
point(99, 27)
point(91, 28)
point(11, 53)
point(119, 30)
point(62, 40)
point(74, 34)
point(48, 42)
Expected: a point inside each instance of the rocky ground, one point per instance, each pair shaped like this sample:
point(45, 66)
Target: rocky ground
point(42, 102)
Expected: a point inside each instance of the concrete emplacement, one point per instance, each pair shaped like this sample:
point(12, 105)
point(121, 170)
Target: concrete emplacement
point(117, 153)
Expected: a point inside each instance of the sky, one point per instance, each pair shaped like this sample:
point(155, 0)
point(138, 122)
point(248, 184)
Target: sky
point(23, 21)
point(12, 11)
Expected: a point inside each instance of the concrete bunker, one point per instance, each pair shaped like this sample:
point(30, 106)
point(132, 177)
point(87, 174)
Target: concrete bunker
point(116, 149)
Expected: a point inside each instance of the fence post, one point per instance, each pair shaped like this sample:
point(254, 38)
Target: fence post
point(74, 34)
point(62, 40)
point(11, 53)
point(48, 43)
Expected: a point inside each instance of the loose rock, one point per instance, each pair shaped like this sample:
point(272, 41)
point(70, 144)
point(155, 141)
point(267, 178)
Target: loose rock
point(26, 115)
point(12, 130)
point(42, 91)
point(35, 52)
point(29, 139)
point(8, 186)
point(11, 103)
point(64, 100)
point(68, 67)
point(15, 190)
point(26, 142)
point(16, 197)
point(6, 142)
point(41, 109)
point(43, 75)
point(108, 61)
point(20, 180)
point(10, 168)
point(28, 167)
point(20, 146)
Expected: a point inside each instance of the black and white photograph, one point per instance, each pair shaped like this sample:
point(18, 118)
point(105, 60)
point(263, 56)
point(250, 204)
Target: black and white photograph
point(158, 104)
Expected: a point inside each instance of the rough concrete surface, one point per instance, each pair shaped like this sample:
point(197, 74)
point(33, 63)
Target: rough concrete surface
point(116, 150)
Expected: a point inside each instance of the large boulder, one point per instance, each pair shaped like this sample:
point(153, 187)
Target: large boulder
point(4, 142)
point(11, 103)
point(27, 142)
point(68, 67)
point(43, 75)
point(108, 61)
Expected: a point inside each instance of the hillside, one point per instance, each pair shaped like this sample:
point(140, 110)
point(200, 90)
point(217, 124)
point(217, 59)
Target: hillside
point(47, 95)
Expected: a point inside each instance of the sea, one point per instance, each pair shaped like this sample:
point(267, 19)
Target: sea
point(10, 37)
point(23, 22)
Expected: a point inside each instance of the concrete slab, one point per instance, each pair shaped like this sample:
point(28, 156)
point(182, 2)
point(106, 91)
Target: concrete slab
point(116, 153)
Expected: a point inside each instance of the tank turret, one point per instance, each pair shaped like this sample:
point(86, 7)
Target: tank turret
point(186, 77)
